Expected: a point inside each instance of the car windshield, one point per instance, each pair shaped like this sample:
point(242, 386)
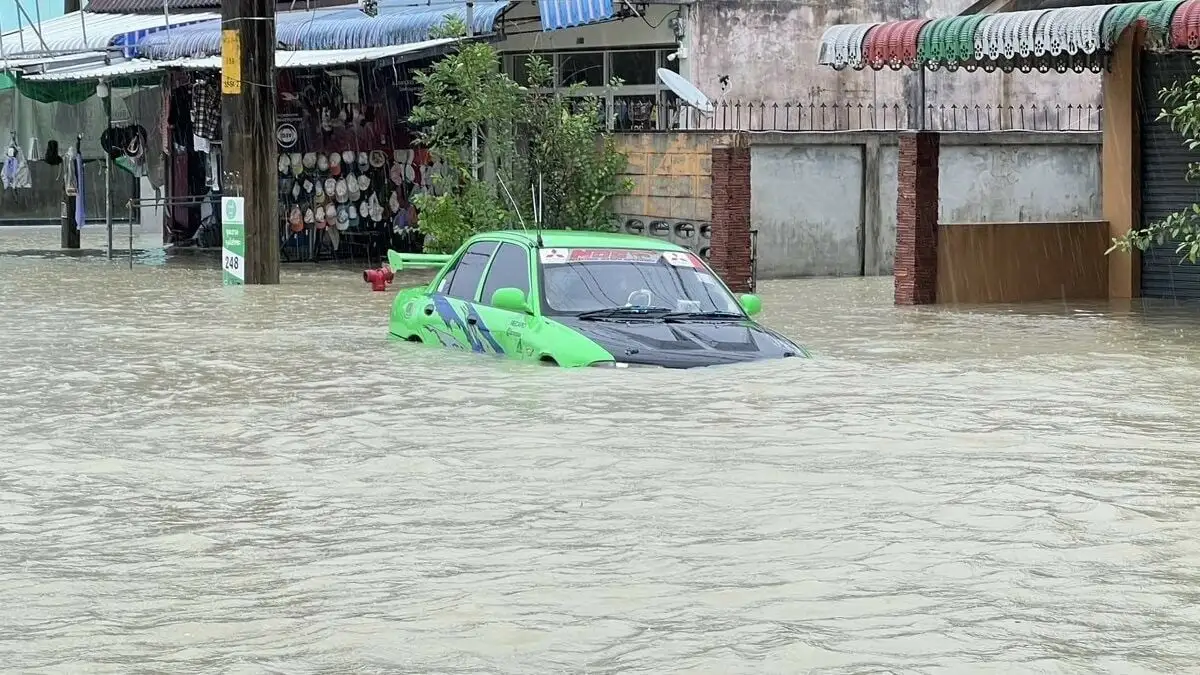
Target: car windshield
point(589, 280)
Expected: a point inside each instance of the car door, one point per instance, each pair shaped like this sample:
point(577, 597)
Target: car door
point(510, 267)
point(449, 309)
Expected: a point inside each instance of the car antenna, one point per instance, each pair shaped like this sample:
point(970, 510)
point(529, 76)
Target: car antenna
point(516, 208)
point(538, 210)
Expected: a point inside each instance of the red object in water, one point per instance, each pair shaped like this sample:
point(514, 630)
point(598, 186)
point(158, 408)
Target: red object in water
point(378, 278)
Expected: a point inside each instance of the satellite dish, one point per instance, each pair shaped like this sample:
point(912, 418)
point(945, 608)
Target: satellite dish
point(685, 90)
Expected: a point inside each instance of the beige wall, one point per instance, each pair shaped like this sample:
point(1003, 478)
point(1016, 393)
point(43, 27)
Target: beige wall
point(1022, 262)
point(671, 174)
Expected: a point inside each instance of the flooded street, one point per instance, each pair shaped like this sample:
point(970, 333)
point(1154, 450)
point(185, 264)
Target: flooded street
point(203, 479)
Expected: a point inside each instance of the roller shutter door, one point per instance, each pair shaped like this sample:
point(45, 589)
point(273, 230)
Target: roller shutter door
point(1164, 190)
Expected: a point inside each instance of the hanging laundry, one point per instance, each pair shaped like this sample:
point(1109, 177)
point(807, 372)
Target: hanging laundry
point(80, 194)
point(15, 175)
point(206, 109)
point(52, 156)
point(8, 177)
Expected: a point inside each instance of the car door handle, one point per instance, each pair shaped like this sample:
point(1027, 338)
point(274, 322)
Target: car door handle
point(428, 310)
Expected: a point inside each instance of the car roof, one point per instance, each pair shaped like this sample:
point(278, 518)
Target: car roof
point(581, 239)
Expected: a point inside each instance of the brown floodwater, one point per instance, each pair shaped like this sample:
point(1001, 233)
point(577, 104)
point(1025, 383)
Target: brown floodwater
point(206, 479)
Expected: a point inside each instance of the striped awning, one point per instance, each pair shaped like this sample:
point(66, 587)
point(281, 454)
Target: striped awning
point(1073, 38)
point(557, 14)
point(398, 23)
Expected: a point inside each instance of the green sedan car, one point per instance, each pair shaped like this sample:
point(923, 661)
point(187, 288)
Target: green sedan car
point(573, 299)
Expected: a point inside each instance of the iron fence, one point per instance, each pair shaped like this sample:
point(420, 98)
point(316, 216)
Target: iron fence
point(792, 116)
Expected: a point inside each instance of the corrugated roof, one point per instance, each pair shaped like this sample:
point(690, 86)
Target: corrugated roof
point(134, 6)
point(98, 72)
point(398, 23)
point(156, 6)
point(81, 31)
point(557, 14)
point(283, 60)
point(320, 58)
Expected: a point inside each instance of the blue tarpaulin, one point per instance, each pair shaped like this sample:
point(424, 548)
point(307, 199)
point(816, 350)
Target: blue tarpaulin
point(558, 14)
point(398, 23)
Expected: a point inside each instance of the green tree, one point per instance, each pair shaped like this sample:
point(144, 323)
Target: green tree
point(1181, 107)
point(497, 136)
point(466, 112)
point(570, 146)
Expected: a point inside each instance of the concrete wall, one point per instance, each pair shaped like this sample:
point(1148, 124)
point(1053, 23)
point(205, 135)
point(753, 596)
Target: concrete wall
point(767, 50)
point(825, 203)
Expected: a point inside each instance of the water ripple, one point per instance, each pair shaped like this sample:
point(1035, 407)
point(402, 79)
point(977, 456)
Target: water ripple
point(201, 479)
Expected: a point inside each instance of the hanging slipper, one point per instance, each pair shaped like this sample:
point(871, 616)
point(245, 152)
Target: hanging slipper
point(296, 219)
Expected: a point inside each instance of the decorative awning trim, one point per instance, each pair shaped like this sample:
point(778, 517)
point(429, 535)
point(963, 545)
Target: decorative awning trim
point(1070, 38)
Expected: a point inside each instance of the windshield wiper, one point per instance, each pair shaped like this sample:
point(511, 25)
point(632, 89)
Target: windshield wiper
point(623, 312)
point(702, 316)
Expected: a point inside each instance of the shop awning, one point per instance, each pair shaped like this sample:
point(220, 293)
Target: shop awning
point(398, 23)
point(283, 60)
point(112, 71)
point(557, 14)
point(81, 31)
point(1074, 38)
point(323, 58)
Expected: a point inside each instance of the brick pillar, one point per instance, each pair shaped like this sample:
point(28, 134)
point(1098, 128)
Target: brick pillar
point(917, 219)
point(729, 249)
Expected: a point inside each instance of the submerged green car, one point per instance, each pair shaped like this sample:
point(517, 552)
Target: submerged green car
point(574, 299)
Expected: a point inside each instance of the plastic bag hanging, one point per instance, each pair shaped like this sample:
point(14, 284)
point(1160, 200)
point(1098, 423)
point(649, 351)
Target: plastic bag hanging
point(35, 152)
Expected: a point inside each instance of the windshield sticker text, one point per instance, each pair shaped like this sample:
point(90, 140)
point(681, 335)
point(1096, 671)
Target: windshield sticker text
point(613, 255)
point(678, 259)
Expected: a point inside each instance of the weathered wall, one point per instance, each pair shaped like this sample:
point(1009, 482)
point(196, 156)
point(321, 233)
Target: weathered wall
point(806, 203)
point(767, 50)
point(672, 183)
point(825, 203)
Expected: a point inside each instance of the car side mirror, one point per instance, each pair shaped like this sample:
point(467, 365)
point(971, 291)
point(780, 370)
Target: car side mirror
point(751, 303)
point(511, 299)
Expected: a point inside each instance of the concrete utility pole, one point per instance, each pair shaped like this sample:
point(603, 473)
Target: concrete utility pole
point(248, 128)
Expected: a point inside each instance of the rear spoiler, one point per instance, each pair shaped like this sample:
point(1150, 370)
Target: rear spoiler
point(401, 261)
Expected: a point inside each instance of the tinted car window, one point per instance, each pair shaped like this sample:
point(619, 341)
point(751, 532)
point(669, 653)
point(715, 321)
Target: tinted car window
point(510, 268)
point(583, 285)
point(462, 281)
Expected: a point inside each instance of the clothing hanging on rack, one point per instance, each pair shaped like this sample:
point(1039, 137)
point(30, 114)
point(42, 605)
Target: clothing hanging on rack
point(15, 175)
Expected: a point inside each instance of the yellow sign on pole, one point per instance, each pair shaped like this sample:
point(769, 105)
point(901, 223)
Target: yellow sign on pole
point(231, 62)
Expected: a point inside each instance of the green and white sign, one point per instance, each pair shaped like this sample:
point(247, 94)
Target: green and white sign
point(233, 240)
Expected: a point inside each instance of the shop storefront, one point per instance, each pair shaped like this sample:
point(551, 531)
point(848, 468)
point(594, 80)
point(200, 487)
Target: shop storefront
point(348, 164)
